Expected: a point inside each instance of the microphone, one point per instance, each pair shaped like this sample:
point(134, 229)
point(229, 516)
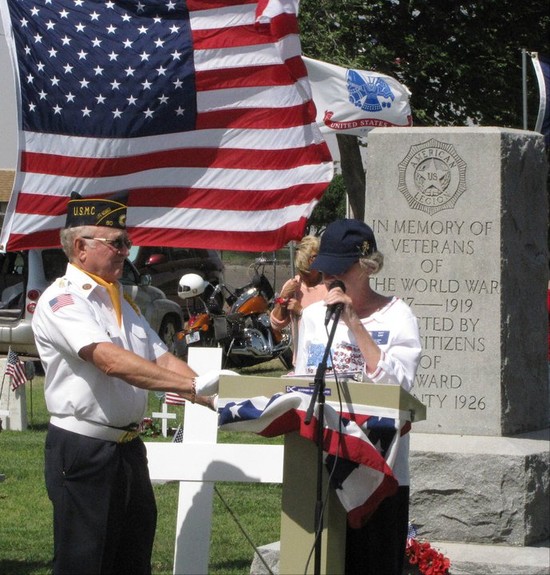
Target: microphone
point(335, 309)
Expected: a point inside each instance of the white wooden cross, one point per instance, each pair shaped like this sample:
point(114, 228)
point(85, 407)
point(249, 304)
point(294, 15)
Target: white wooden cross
point(13, 404)
point(197, 463)
point(165, 416)
point(4, 412)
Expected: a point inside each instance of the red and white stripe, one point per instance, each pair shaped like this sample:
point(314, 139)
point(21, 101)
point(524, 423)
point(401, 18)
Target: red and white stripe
point(173, 399)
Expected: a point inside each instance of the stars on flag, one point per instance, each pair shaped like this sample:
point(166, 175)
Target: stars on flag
point(135, 69)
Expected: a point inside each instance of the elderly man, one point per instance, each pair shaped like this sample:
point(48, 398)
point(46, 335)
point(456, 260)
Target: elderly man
point(100, 357)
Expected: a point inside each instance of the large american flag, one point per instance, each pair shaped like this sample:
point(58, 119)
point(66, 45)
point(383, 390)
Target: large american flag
point(199, 111)
point(359, 449)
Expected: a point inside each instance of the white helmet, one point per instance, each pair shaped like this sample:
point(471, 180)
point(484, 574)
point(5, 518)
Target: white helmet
point(191, 285)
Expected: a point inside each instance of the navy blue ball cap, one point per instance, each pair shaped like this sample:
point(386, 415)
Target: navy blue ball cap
point(343, 243)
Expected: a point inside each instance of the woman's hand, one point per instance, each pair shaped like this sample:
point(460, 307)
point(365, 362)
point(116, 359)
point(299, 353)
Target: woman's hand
point(338, 296)
point(290, 289)
point(369, 349)
point(294, 307)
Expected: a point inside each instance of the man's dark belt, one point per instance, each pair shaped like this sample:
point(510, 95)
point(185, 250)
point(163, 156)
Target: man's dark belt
point(130, 432)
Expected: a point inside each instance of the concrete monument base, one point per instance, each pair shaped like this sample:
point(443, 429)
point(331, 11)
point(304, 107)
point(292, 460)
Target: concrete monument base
point(479, 489)
point(472, 559)
point(466, 559)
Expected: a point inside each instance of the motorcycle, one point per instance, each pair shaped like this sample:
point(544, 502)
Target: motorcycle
point(235, 319)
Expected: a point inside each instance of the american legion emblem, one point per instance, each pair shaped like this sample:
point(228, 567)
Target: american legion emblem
point(432, 176)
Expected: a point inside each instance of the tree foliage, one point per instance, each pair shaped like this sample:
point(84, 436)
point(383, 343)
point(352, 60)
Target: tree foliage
point(462, 60)
point(331, 207)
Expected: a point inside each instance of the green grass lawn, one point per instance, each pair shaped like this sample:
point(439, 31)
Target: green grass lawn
point(26, 517)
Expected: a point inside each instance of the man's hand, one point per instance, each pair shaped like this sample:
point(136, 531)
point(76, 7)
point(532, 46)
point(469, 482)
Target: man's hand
point(210, 401)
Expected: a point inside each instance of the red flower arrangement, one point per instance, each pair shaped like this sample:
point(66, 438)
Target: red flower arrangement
point(149, 428)
point(426, 559)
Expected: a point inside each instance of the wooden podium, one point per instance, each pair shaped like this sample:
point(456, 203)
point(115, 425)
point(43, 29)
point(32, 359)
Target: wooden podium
point(300, 466)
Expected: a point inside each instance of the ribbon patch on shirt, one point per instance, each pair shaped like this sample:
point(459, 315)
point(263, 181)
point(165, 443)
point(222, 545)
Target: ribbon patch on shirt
point(61, 301)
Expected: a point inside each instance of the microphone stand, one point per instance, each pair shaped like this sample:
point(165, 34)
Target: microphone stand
point(318, 396)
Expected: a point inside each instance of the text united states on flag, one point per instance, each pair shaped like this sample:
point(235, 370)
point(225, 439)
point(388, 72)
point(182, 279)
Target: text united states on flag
point(15, 368)
point(198, 111)
point(361, 451)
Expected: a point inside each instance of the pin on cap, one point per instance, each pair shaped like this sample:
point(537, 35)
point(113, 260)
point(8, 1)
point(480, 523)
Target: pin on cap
point(343, 243)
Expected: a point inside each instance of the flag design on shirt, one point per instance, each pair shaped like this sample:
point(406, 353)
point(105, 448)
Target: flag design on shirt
point(61, 301)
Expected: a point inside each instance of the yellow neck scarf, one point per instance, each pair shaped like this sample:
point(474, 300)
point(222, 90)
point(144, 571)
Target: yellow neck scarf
point(113, 289)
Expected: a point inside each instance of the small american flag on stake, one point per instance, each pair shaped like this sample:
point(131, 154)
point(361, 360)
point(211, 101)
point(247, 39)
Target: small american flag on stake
point(173, 399)
point(15, 368)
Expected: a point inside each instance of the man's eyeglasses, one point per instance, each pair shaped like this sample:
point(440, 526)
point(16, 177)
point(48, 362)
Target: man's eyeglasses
point(118, 243)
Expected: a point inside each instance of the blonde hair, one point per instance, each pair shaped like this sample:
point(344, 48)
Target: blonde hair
point(372, 263)
point(308, 247)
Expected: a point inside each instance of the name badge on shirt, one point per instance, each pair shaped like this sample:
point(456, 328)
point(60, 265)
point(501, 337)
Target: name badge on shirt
point(380, 337)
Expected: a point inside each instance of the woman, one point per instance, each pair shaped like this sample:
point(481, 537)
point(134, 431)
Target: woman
point(297, 293)
point(377, 340)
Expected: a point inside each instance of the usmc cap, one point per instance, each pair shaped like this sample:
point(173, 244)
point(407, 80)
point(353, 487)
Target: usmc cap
point(95, 212)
